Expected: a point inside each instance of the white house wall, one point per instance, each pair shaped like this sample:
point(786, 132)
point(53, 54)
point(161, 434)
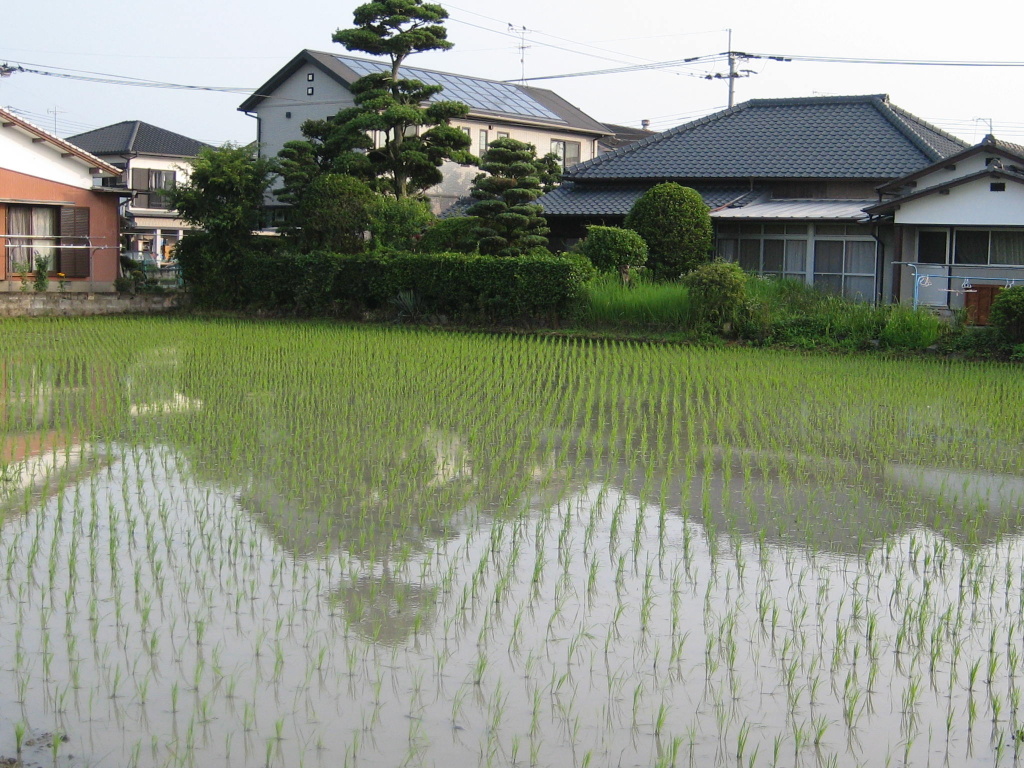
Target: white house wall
point(459, 178)
point(969, 205)
point(276, 127)
point(41, 159)
point(962, 168)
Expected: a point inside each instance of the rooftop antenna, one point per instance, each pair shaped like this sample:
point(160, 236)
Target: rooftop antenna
point(55, 111)
point(986, 120)
point(521, 31)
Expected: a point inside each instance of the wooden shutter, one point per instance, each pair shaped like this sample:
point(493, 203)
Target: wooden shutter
point(74, 230)
point(140, 185)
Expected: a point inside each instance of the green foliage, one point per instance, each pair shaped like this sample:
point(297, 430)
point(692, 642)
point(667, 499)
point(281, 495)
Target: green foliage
point(641, 305)
point(454, 235)
point(333, 214)
point(224, 192)
point(398, 223)
point(675, 223)
point(907, 328)
point(41, 280)
point(718, 291)
point(473, 287)
point(417, 138)
point(510, 223)
point(612, 248)
point(1007, 314)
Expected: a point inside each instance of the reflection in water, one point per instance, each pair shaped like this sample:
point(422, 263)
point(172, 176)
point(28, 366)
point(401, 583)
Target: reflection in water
point(349, 553)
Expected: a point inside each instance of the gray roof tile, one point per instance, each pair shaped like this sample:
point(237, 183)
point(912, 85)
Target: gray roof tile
point(136, 137)
point(820, 137)
point(616, 200)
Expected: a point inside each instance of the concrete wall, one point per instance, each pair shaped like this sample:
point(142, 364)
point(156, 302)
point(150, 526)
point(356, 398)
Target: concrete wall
point(82, 304)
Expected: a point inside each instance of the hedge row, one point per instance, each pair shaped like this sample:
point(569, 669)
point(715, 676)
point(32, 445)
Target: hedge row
point(456, 285)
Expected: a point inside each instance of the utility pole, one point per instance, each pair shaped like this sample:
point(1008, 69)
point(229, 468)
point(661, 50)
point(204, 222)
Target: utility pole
point(732, 70)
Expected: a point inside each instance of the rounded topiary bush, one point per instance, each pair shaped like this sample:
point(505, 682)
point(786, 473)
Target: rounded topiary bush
point(1007, 314)
point(675, 223)
point(612, 248)
point(718, 291)
point(454, 235)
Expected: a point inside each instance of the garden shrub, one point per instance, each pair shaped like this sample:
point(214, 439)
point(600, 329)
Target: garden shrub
point(1007, 314)
point(469, 286)
point(333, 214)
point(398, 223)
point(454, 235)
point(675, 223)
point(611, 248)
point(718, 291)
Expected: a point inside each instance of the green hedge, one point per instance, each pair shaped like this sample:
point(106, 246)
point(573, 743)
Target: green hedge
point(471, 287)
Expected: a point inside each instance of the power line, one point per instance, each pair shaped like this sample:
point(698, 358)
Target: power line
point(109, 79)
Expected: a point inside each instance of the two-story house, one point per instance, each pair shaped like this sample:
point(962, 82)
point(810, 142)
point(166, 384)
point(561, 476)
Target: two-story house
point(151, 161)
point(52, 207)
point(315, 85)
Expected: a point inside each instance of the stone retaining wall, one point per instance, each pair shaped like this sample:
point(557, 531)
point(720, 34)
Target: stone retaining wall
point(81, 304)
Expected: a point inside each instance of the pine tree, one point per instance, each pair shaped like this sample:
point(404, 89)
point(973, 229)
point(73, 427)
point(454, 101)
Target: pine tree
point(511, 223)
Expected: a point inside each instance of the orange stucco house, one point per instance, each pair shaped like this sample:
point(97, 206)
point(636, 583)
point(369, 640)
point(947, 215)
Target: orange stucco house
point(53, 204)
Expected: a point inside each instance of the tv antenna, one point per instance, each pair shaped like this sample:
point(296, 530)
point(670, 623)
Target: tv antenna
point(521, 31)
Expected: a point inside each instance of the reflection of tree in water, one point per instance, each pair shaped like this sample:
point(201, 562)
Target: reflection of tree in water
point(383, 453)
point(385, 609)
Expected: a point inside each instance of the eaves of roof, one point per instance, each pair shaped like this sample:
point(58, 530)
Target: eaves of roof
point(613, 200)
point(988, 145)
point(67, 149)
point(996, 173)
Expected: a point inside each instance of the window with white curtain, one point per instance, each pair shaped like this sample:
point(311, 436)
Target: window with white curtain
point(39, 226)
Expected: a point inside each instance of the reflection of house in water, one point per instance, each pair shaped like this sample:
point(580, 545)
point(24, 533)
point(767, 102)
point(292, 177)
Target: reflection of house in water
point(32, 462)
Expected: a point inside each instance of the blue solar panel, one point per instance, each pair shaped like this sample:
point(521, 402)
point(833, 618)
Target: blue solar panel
point(478, 94)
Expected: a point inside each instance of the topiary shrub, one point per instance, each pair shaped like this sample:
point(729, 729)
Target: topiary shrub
point(1007, 314)
point(676, 225)
point(333, 214)
point(718, 291)
point(399, 222)
point(455, 235)
point(612, 248)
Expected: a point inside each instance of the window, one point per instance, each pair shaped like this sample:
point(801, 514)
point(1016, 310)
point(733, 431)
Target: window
point(483, 141)
point(151, 186)
point(503, 134)
point(980, 247)
point(997, 186)
point(843, 255)
point(309, 91)
point(309, 77)
point(44, 229)
point(846, 268)
point(931, 246)
point(568, 152)
point(39, 225)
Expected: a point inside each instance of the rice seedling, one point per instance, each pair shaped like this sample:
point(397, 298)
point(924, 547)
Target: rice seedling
point(222, 526)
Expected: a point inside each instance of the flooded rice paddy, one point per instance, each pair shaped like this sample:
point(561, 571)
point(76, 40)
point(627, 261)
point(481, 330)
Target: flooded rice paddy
point(244, 544)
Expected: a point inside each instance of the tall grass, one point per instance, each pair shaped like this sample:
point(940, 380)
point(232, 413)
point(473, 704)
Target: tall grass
point(643, 304)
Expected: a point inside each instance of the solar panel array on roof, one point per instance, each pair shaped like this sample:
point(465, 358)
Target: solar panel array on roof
point(478, 94)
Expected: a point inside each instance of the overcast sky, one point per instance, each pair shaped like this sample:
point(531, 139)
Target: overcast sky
point(241, 44)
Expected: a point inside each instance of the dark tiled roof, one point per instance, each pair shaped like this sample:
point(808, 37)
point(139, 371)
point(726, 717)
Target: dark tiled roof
point(136, 137)
point(623, 135)
point(617, 200)
point(822, 137)
point(484, 97)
